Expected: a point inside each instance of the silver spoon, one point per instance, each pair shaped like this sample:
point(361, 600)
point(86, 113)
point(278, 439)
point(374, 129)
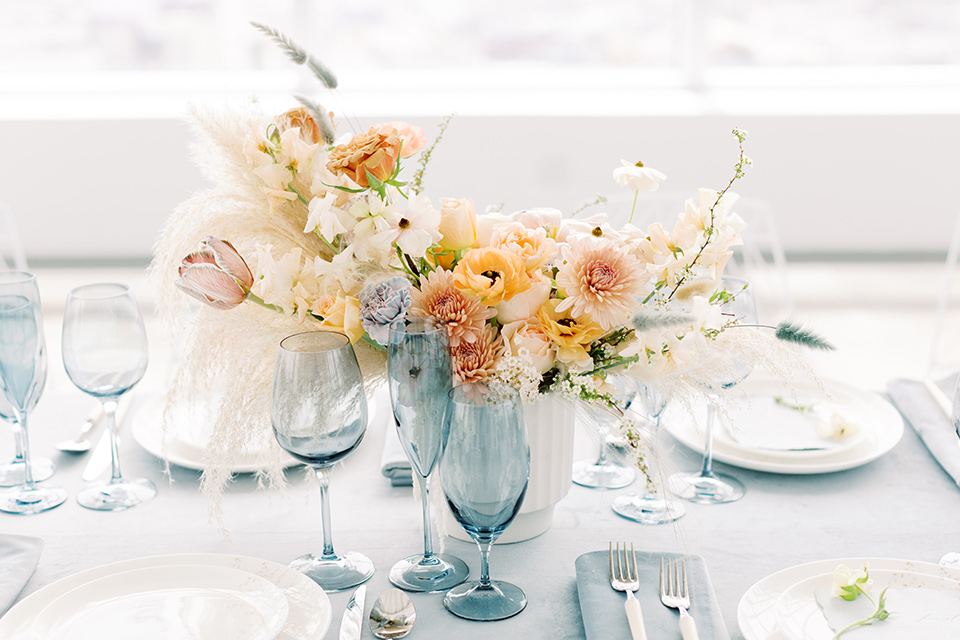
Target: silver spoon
point(392, 614)
point(80, 444)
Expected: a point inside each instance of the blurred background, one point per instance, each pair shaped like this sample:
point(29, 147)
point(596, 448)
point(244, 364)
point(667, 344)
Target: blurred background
point(853, 109)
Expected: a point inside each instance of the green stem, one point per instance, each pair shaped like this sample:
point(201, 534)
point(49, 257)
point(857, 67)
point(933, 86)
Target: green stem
point(620, 363)
point(252, 297)
point(299, 197)
point(634, 207)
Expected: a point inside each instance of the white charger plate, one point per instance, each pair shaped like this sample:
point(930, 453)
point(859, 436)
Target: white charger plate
point(800, 618)
point(171, 601)
point(880, 422)
point(309, 614)
point(184, 446)
point(757, 610)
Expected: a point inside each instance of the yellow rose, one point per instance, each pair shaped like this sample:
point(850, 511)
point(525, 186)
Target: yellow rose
point(571, 335)
point(340, 313)
point(491, 274)
point(458, 223)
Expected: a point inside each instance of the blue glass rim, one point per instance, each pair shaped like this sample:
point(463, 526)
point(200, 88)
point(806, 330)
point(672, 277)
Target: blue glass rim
point(99, 291)
point(16, 277)
point(314, 342)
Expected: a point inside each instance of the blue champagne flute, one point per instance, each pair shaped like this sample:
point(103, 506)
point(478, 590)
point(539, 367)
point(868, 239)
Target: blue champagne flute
point(22, 376)
point(708, 486)
point(11, 473)
point(105, 354)
point(420, 373)
point(485, 469)
point(319, 416)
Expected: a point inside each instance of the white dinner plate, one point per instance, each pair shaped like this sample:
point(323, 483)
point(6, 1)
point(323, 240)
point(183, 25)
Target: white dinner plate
point(185, 442)
point(309, 614)
point(879, 421)
point(171, 601)
point(800, 617)
point(757, 611)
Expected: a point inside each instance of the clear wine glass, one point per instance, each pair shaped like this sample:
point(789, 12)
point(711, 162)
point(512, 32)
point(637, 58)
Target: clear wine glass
point(952, 559)
point(319, 415)
point(607, 472)
point(485, 469)
point(12, 473)
point(707, 486)
point(650, 507)
point(420, 373)
point(105, 355)
point(23, 372)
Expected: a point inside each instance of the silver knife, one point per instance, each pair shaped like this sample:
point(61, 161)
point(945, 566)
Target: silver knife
point(100, 459)
point(352, 623)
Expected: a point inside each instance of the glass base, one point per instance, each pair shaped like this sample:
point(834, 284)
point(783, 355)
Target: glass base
point(498, 601)
point(587, 473)
point(951, 560)
point(11, 474)
point(438, 573)
point(648, 508)
point(116, 496)
point(337, 573)
point(713, 489)
point(36, 500)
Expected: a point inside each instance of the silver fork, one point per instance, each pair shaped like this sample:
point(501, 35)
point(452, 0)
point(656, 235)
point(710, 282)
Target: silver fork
point(675, 594)
point(624, 577)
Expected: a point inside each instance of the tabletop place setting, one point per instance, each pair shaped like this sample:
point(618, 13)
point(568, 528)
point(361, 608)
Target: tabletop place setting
point(600, 431)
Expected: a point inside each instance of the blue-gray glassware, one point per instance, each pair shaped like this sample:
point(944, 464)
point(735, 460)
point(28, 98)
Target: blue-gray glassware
point(22, 375)
point(420, 373)
point(319, 416)
point(485, 469)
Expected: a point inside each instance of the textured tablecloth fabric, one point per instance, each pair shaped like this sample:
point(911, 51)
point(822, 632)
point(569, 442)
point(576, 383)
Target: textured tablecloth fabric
point(19, 556)
point(924, 414)
point(602, 608)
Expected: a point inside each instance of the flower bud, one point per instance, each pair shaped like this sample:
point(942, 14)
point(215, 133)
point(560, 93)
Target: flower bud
point(458, 223)
point(215, 274)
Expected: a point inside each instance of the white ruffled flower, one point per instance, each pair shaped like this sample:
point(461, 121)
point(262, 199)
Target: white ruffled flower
point(417, 228)
point(837, 427)
point(331, 220)
point(638, 177)
point(275, 279)
point(595, 226)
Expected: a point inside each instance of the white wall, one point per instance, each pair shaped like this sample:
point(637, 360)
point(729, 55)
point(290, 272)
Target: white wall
point(101, 189)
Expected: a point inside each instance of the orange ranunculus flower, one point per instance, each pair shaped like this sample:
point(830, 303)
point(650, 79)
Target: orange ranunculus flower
point(491, 274)
point(300, 118)
point(373, 152)
point(571, 335)
point(341, 314)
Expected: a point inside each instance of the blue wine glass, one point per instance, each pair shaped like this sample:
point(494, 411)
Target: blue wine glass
point(11, 473)
point(105, 354)
point(22, 375)
point(649, 507)
point(707, 486)
point(420, 373)
point(319, 416)
point(485, 469)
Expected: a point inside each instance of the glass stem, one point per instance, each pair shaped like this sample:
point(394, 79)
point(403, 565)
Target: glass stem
point(110, 411)
point(17, 443)
point(706, 471)
point(24, 441)
point(484, 563)
point(427, 526)
point(602, 456)
point(323, 479)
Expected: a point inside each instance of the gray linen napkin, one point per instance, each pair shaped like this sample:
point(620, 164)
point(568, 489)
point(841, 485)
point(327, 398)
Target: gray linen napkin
point(602, 608)
point(19, 556)
point(927, 418)
point(394, 463)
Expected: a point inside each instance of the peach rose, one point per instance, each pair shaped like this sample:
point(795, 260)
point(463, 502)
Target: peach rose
point(458, 223)
point(532, 245)
point(491, 274)
point(413, 137)
point(301, 119)
point(340, 313)
point(523, 305)
point(371, 152)
point(527, 334)
point(571, 335)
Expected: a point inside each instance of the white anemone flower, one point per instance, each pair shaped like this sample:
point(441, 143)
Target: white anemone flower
point(638, 177)
point(417, 228)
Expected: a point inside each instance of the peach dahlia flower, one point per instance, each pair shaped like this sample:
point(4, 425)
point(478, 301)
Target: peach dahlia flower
point(475, 361)
point(439, 298)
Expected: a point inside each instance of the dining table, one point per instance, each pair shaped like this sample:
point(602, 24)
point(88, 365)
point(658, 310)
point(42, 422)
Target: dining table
point(901, 505)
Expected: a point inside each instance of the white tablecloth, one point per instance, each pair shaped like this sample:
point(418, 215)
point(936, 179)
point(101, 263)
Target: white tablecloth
point(902, 505)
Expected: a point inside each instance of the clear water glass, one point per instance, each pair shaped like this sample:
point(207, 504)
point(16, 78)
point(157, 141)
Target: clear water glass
point(952, 559)
point(708, 486)
point(319, 416)
point(650, 507)
point(608, 471)
point(12, 473)
point(23, 372)
point(485, 469)
point(105, 355)
point(420, 375)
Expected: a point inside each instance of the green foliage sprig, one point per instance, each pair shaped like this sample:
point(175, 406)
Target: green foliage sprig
point(791, 332)
point(416, 183)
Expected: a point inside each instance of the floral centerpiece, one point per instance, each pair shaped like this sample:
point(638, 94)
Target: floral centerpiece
point(318, 230)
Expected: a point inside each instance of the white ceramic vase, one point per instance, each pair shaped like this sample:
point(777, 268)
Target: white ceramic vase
point(550, 431)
